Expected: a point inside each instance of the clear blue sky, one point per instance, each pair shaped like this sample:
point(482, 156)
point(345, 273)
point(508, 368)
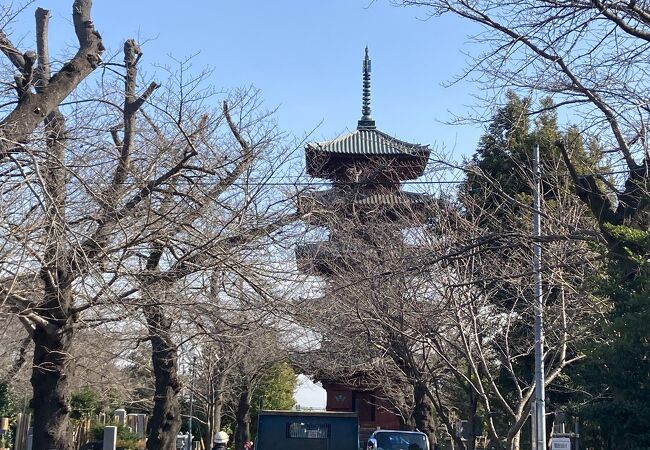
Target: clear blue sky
point(305, 56)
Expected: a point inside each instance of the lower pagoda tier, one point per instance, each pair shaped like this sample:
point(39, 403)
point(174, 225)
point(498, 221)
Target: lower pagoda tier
point(373, 411)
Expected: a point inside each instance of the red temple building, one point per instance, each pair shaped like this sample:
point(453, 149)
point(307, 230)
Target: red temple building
point(366, 168)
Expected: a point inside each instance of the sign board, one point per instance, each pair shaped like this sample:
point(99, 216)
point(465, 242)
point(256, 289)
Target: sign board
point(560, 443)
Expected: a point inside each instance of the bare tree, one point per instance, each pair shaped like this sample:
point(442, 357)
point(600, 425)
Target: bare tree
point(589, 57)
point(238, 341)
point(446, 308)
point(215, 363)
point(366, 217)
point(122, 202)
point(39, 92)
point(48, 318)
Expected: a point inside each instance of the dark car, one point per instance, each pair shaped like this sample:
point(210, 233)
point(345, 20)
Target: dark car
point(397, 440)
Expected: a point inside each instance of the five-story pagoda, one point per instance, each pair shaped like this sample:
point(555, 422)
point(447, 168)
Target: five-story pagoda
point(363, 210)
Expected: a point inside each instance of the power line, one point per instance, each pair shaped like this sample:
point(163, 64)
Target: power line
point(361, 183)
point(395, 183)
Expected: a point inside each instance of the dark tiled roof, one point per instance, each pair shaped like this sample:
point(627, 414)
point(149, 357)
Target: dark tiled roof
point(369, 142)
point(320, 207)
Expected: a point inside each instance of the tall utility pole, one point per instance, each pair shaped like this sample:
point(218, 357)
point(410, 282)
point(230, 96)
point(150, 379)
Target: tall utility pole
point(539, 405)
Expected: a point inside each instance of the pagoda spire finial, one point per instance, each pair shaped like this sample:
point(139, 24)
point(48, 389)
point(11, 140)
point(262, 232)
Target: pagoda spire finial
point(366, 121)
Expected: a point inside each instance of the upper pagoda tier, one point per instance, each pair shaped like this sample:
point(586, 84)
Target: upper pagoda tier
point(337, 159)
point(366, 152)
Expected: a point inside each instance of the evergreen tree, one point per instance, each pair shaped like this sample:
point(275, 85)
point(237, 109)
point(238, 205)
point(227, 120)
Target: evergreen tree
point(276, 391)
point(277, 387)
point(497, 193)
point(7, 401)
point(617, 370)
point(496, 170)
point(84, 404)
point(614, 375)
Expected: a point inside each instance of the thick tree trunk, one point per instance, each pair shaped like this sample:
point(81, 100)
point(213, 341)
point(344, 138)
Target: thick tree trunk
point(243, 419)
point(515, 442)
point(53, 324)
point(33, 107)
point(470, 412)
point(215, 407)
point(166, 418)
point(422, 416)
point(423, 411)
point(218, 407)
point(50, 384)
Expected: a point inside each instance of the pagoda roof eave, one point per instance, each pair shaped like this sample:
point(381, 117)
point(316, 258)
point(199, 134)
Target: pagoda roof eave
point(337, 197)
point(366, 142)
